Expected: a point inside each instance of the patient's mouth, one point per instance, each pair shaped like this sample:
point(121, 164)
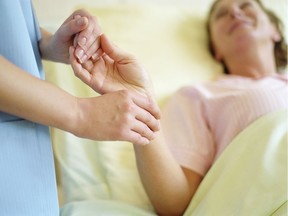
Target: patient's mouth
point(237, 25)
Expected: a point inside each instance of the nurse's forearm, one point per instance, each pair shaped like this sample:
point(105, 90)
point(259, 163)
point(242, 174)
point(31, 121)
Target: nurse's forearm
point(26, 96)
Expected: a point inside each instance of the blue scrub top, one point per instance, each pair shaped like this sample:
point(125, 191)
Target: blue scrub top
point(27, 174)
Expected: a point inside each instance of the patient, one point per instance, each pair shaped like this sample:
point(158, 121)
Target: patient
point(200, 121)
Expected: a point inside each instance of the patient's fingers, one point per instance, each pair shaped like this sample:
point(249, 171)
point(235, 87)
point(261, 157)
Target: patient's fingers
point(94, 51)
point(79, 72)
point(113, 51)
point(95, 45)
point(97, 54)
point(88, 40)
point(88, 65)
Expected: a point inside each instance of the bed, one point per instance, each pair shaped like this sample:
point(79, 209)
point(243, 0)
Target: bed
point(100, 178)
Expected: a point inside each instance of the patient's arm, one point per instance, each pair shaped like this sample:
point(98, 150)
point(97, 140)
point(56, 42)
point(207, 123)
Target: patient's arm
point(169, 187)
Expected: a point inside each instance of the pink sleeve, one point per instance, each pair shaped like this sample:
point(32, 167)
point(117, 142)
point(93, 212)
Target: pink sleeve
point(186, 131)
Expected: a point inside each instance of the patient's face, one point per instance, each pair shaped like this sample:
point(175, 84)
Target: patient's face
point(237, 23)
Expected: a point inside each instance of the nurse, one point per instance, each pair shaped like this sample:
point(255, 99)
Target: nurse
point(29, 104)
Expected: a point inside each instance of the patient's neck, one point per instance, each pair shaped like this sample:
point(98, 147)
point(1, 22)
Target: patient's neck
point(255, 62)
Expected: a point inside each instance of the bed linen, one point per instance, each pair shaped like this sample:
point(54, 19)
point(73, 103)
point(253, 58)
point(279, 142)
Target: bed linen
point(250, 177)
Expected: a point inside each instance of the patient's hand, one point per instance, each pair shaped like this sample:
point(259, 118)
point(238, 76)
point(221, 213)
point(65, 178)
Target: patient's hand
point(113, 71)
point(87, 42)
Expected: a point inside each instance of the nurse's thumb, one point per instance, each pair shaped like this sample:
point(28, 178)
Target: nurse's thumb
point(75, 25)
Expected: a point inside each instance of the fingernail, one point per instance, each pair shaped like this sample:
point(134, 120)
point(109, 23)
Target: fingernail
point(83, 41)
point(146, 142)
point(77, 16)
point(80, 53)
point(80, 21)
point(84, 58)
point(95, 56)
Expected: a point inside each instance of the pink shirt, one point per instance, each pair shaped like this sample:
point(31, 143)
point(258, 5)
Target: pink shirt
point(200, 121)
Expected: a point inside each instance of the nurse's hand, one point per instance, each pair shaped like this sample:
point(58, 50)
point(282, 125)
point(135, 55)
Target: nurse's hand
point(120, 115)
point(80, 29)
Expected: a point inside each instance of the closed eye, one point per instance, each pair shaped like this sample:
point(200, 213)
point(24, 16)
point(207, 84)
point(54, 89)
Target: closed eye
point(245, 5)
point(221, 13)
